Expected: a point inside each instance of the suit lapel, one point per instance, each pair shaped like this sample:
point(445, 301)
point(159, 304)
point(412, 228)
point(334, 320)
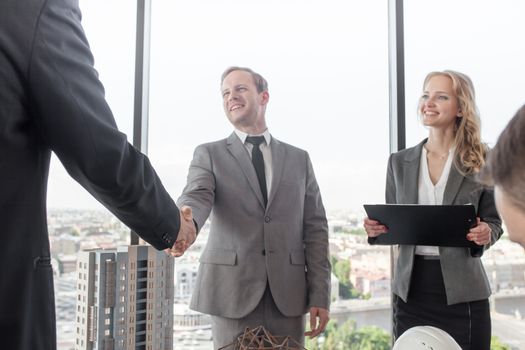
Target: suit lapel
point(239, 152)
point(278, 155)
point(411, 174)
point(455, 179)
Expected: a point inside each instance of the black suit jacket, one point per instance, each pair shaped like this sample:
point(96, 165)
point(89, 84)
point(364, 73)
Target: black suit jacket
point(51, 100)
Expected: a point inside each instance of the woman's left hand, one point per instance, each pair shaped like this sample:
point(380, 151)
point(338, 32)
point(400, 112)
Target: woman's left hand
point(480, 234)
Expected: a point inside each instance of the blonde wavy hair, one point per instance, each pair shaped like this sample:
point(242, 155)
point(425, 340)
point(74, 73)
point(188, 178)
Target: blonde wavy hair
point(470, 151)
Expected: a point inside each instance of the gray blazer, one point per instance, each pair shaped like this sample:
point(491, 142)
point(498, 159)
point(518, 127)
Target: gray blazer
point(464, 276)
point(284, 245)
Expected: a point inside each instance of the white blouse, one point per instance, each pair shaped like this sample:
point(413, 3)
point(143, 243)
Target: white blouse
point(430, 194)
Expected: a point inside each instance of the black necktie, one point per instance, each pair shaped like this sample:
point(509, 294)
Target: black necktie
point(258, 164)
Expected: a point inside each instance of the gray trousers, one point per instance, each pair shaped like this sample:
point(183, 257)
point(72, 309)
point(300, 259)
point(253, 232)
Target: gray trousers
point(225, 330)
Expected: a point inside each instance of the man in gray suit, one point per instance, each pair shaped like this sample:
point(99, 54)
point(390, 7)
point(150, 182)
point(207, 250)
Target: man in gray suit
point(266, 261)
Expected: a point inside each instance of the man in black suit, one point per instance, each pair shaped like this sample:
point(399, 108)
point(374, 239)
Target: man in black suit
point(51, 100)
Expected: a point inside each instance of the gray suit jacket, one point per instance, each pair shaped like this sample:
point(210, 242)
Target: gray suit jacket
point(464, 276)
point(285, 245)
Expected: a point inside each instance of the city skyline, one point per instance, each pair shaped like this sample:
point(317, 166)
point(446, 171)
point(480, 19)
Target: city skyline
point(504, 263)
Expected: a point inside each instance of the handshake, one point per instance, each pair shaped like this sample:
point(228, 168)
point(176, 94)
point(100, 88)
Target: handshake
point(187, 233)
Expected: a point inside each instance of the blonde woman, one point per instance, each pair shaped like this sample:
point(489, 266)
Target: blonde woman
point(444, 287)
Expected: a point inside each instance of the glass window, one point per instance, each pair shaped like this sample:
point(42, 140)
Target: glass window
point(113, 48)
point(480, 42)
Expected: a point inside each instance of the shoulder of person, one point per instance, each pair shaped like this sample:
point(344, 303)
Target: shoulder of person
point(289, 147)
point(213, 144)
point(409, 153)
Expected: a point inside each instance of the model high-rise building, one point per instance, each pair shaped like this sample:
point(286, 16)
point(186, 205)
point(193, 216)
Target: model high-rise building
point(124, 299)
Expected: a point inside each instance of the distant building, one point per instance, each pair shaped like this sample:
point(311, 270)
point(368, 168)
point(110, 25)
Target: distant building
point(67, 263)
point(185, 279)
point(124, 299)
point(187, 319)
point(506, 274)
point(65, 244)
point(376, 284)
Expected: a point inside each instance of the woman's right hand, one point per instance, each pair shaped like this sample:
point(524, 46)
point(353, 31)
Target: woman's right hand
point(374, 228)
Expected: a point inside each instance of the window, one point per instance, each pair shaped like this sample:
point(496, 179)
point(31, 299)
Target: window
point(113, 47)
point(494, 65)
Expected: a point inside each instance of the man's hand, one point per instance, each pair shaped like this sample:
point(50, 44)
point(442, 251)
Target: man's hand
point(318, 320)
point(187, 233)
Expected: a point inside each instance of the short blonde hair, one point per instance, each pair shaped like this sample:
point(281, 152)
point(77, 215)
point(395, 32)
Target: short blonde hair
point(260, 83)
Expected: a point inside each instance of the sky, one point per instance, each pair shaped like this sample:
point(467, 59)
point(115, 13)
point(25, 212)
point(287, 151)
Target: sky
point(326, 62)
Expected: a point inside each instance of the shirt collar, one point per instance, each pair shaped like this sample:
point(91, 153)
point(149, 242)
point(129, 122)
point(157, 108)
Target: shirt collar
point(242, 135)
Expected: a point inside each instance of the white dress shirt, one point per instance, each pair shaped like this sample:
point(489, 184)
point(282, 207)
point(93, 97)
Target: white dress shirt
point(266, 152)
point(428, 193)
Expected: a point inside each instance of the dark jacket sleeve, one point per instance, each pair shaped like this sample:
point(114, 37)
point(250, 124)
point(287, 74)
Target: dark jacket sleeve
point(74, 121)
point(487, 213)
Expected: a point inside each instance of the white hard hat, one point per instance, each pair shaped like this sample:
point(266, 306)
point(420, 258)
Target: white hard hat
point(425, 338)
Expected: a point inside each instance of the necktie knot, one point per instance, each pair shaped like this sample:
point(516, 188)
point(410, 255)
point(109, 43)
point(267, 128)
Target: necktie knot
point(255, 140)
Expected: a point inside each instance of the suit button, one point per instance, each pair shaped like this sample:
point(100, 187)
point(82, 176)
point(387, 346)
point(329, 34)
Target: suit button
point(264, 252)
point(166, 238)
point(267, 219)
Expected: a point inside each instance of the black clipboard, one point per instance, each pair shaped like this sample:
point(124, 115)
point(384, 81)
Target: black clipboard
point(434, 225)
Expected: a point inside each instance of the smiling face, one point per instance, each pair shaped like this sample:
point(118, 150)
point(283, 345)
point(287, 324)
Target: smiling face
point(438, 105)
point(243, 104)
